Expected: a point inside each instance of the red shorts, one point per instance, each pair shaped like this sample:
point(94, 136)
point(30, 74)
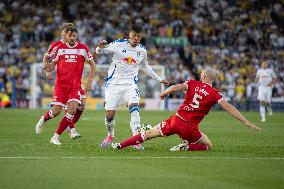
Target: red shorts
point(175, 125)
point(63, 95)
point(82, 93)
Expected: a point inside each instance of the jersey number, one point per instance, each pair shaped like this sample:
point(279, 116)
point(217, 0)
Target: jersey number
point(195, 102)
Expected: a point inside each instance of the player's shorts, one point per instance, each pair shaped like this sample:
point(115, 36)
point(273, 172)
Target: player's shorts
point(175, 125)
point(264, 94)
point(63, 95)
point(119, 94)
point(82, 93)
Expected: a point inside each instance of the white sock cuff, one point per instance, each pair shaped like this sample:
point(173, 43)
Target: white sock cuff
point(69, 116)
point(143, 136)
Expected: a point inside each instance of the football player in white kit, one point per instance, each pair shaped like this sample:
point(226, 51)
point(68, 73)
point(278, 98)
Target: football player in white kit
point(128, 56)
point(265, 77)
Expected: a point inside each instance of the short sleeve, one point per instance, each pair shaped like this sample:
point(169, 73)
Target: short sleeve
point(56, 53)
point(218, 96)
point(51, 50)
point(88, 55)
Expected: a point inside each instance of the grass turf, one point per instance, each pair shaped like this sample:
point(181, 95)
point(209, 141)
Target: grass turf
point(240, 158)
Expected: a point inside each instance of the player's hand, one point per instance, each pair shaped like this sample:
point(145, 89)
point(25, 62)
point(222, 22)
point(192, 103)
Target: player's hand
point(47, 67)
point(165, 82)
point(163, 95)
point(102, 43)
point(49, 76)
point(253, 126)
point(88, 86)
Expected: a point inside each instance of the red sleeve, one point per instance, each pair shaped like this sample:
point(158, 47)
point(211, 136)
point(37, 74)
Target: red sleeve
point(56, 53)
point(88, 56)
point(218, 96)
point(189, 83)
point(51, 49)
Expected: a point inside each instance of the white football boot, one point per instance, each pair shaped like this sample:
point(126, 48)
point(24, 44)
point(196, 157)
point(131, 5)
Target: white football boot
point(183, 146)
point(39, 125)
point(55, 141)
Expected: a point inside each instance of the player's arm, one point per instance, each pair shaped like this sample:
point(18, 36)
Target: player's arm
point(92, 64)
point(150, 72)
point(104, 48)
point(173, 89)
point(46, 58)
point(236, 114)
point(273, 79)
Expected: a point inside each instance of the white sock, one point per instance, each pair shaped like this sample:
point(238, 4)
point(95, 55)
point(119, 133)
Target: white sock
point(56, 135)
point(110, 127)
point(135, 122)
point(262, 111)
point(73, 130)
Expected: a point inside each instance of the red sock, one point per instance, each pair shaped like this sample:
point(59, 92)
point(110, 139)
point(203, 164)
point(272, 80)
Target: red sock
point(195, 147)
point(66, 121)
point(77, 115)
point(136, 139)
point(48, 115)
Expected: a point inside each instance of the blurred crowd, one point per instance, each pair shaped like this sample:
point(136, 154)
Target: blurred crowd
point(232, 36)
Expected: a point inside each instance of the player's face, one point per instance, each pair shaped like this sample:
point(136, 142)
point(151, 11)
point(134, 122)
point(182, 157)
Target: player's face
point(134, 38)
point(72, 37)
point(264, 65)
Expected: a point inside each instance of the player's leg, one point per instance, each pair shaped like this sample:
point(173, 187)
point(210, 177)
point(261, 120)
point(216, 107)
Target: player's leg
point(202, 144)
point(139, 138)
point(262, 103)
point(81, 107)
point(134, 118)
point(109, 124)
point(53, 112)
point(164, 128)
point(112, 99)
point(66, 121)
point(268, 101)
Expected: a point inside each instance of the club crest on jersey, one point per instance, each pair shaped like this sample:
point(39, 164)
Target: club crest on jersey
point(129, 60)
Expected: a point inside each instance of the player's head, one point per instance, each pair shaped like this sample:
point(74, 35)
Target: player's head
point(64, 27)
point(135, 35)
point(208, 75)
point(264, 65)
point(72, 35)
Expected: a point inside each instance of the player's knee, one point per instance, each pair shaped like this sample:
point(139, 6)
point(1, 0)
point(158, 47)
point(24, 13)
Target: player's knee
point(209, 145)
point(56, 111)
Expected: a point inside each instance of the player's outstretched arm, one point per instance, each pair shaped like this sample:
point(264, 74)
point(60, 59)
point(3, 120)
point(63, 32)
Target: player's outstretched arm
point(173, 89)
point(235, 113)
point(92, 64)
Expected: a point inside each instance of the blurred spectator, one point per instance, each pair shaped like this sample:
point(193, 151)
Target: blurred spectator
point(185, 36)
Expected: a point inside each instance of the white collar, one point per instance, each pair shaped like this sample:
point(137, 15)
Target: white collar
point(72, 46)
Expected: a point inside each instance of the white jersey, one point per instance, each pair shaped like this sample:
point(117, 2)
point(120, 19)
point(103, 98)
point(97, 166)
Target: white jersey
point(126, 62)
point(265, 76)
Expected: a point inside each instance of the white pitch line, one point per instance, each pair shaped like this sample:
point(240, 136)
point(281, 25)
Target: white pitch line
point(140, 157)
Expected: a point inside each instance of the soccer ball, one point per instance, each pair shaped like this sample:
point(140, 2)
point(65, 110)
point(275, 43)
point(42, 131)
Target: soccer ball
point(145, 127)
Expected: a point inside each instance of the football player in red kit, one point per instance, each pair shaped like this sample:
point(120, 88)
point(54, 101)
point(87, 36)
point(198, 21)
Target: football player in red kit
point(199, 98)
point(56, 109)
point(69, 58)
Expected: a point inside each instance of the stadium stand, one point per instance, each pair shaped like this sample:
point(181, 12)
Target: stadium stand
point(185, 36)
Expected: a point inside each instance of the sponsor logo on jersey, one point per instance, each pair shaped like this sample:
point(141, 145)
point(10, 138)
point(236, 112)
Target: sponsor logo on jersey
point(129, 60)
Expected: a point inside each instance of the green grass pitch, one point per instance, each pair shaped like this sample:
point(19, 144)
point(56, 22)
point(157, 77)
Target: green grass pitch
point(240, 158)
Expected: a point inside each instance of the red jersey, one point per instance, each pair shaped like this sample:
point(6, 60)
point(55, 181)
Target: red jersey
point(198, 100)
point(70, 64)
point(52, 47)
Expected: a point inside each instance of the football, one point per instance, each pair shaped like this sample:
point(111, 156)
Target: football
point(145, 127)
